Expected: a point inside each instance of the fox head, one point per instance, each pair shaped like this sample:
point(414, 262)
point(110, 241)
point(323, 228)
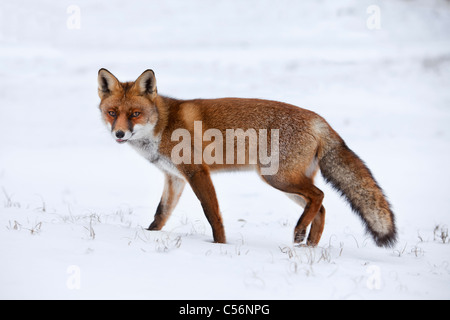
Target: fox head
point(128, 108)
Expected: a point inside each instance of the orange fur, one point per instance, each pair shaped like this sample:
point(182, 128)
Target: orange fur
point(306, 143)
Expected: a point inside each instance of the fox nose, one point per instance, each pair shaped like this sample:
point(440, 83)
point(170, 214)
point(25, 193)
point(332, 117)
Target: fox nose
point(120, 134)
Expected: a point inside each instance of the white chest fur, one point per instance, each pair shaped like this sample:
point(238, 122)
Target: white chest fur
point(149, 149)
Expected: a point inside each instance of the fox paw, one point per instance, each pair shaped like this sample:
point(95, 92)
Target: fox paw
point(154, 226)
point(299, 236)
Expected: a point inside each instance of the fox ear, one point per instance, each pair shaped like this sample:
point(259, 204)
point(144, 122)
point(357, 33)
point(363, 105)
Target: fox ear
point(146, 83)
point(107, 83)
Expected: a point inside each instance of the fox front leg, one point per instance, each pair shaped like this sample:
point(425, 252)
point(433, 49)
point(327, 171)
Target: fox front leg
point(173, 188)
point(203, 188)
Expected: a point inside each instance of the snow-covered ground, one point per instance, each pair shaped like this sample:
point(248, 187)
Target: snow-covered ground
point(74, 204)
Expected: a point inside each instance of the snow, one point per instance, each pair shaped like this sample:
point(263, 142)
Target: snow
point(74, 204)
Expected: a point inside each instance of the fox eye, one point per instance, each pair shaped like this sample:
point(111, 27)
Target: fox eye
point(135, 114)
point(112, 114)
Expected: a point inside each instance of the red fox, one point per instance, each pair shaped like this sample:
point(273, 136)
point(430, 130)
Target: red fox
point(190, 139)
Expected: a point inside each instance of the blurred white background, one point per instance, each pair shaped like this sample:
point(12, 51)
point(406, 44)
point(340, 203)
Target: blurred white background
point(378, 71)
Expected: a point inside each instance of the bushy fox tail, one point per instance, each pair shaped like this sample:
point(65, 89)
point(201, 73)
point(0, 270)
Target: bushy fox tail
point(347, 173)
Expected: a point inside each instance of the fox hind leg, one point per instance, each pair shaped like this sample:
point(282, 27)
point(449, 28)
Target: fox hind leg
point(312, 198)
point(317, 224)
